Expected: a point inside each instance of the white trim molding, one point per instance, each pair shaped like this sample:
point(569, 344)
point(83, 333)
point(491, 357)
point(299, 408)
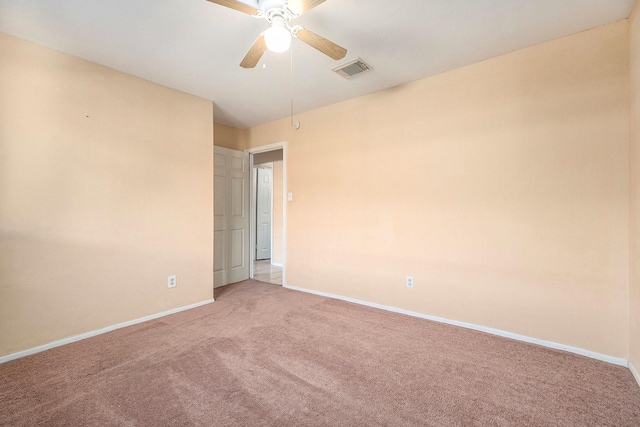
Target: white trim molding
point(635, 373)
point(587, 353)
point(265, 148)
point(75, 338)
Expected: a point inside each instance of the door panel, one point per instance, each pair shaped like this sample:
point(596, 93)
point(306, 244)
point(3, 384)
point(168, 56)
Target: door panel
point(237, 253)
point(237, 197)
point(231, 216)
point(219, 196)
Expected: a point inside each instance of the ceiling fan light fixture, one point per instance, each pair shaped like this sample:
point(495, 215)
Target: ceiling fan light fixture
point(277, 38)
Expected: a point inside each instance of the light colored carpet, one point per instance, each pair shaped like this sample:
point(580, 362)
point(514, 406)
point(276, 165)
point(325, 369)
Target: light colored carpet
point(262, 355)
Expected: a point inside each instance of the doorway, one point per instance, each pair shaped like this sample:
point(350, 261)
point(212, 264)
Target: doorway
point(268, 213)
point(264, 211)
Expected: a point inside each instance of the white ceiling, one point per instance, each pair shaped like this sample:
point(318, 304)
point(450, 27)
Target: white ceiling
point(195, 46)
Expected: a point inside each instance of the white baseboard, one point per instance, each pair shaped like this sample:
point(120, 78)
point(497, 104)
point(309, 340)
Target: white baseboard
point(635, 373)
point(501, 333)
point(277, 264)
point(75, 338)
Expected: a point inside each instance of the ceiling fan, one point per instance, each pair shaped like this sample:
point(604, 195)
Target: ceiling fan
point(277, 37)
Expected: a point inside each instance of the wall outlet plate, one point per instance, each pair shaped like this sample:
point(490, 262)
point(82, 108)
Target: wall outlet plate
point(409, 282)
point(172, 282)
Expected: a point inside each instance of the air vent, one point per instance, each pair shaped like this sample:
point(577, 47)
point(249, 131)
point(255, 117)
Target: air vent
point(352, 68)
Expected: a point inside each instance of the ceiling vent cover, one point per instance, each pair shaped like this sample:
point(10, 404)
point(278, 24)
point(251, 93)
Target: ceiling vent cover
point(352, 68)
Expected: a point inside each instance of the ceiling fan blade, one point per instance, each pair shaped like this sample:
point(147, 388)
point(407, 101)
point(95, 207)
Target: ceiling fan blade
point(325, 46)
point(255, 53)
point(236, 5)
point(302, 6)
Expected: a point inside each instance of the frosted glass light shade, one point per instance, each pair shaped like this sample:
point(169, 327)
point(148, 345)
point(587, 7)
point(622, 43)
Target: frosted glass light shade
point(277, 38)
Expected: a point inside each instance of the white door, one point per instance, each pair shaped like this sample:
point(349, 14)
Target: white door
point(263, 213)
point(231, 216)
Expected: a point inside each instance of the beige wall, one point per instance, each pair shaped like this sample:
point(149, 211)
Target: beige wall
point(277, 253)
point(229, 137)
point(106, 188)
point(635, 185)
point(502, 187)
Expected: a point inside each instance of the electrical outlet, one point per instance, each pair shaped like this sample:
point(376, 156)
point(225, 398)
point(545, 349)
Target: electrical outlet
point(409, 282)
point(173, 281)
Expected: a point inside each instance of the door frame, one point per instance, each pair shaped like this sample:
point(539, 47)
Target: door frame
point(252, 206)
